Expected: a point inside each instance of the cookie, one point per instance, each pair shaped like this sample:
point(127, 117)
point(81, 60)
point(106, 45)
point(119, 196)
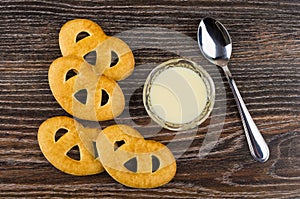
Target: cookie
point(82, 93)
point(56, 150)
point(132, 160)
point(99, 42)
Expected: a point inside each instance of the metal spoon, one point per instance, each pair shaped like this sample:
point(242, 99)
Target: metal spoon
point(216, 46)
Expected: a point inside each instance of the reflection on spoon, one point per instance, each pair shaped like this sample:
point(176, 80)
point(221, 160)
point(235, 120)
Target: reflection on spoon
point(216, 46)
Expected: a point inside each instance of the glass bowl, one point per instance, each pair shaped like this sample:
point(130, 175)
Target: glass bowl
point(179, 94)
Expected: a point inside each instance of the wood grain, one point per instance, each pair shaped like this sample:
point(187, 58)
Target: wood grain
point(265, 64)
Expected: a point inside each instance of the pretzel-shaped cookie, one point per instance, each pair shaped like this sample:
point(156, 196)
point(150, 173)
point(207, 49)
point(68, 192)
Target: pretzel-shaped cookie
point(101, 43)
point(120, 146)
point(56, 151)
point(84, 79)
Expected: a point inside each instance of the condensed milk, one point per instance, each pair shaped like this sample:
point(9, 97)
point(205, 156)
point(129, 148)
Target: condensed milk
point(179, 94)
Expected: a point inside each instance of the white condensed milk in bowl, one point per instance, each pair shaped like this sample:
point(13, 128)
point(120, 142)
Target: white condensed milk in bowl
point(179, 94)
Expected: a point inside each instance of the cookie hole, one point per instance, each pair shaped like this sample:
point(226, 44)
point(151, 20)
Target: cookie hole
point(91, 57)
point(155, 163)
point(60, 133)
point(81, 96)
point(82, 35)
point(131, 165)
point(118, 144)
point(105, 97)
point(114, 59)
point(74, 153)
point(96, 155)
point(71, 73)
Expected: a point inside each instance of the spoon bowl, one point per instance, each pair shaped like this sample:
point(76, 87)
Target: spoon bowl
point(214, 41)
point(216, 46)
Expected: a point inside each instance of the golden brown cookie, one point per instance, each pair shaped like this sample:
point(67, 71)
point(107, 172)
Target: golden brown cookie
point(56, 150)
point(69, 32)
point(97, 41)
point(133, 161)
point(81, 94)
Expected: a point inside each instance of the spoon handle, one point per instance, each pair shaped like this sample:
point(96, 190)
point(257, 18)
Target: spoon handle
point(257, 145)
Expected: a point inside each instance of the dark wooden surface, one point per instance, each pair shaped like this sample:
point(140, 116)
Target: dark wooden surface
point(265, 64)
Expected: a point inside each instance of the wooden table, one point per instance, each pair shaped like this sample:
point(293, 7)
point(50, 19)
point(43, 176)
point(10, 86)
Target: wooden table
point(265, 63)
